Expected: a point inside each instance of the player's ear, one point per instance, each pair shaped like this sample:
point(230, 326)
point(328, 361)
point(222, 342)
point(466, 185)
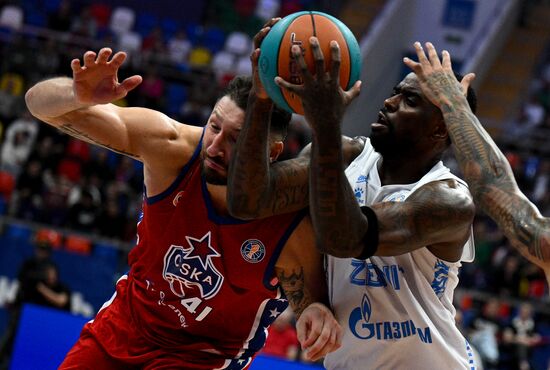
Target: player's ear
point(440, 131)
point(275, 150)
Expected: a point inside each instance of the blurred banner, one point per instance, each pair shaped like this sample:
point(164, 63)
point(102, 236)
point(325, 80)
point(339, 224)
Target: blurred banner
point(46, 335)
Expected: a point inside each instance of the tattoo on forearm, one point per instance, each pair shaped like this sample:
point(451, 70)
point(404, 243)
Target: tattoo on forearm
point(293, 285)
point(69, 129)
point(337, 219)
point(289, 180)
point(281, 187)
point(249, 158)
point(493, 185)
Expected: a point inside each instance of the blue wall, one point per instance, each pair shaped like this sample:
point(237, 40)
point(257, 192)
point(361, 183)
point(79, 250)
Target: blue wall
point(45, 336)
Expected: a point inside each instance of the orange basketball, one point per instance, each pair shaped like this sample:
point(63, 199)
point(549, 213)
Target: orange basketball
point(296, 29)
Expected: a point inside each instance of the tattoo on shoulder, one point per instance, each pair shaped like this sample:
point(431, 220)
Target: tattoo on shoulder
point(69, 129)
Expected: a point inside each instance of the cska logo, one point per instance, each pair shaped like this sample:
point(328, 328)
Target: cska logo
point(185, 268)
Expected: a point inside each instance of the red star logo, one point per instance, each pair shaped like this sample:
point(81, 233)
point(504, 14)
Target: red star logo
point(201, 249)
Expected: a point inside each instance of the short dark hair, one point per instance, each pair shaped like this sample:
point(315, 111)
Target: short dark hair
point(470, 94)
point(238, 90)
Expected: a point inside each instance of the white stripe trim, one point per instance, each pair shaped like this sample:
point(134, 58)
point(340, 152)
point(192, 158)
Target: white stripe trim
point(108, 303)
point(253, 330)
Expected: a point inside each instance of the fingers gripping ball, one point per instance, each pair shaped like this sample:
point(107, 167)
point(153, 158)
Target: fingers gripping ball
point(296, 29)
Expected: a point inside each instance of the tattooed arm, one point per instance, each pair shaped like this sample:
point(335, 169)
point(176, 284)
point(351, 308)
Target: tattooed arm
point(301, 276)
point(485, 167)
point(438, 215)
point(81, 107)
point(256, 187)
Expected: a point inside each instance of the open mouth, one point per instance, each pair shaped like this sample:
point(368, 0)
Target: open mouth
point(382, 119)
point(214, 165)
point(381, 123)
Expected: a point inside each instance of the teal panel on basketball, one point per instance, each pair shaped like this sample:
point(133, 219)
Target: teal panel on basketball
point(269, 57)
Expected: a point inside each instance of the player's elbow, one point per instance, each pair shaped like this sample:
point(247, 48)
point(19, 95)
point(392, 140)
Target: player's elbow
point(30, 97)
point(468, 210)
point(343, 248)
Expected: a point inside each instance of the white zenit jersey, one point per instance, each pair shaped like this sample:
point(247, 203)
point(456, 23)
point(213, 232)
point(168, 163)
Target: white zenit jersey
point(396, 312)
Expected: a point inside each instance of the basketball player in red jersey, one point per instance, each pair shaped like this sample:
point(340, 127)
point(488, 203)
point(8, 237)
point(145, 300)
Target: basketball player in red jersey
point(201, 289)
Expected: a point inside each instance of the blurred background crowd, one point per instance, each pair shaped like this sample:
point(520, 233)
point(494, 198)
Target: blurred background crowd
point(75, 200)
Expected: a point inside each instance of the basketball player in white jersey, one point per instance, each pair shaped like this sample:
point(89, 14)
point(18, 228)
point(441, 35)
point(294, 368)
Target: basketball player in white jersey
point(396, 224)
point(485, 168)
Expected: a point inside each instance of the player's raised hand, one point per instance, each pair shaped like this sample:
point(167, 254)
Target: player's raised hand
point(323, 99)
point(258, 87)
point(318, 331)
point(96, 82)
point(436, 77)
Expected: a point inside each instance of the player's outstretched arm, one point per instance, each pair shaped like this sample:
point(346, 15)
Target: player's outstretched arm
point(302, 278)
point(82, 107)
point(485, 167)
point(257, 189)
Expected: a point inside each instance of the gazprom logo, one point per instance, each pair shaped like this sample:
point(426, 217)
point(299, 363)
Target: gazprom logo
point(366, 309)
point(361, 327)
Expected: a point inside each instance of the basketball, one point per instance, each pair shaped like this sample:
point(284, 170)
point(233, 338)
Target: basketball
point(296, 29)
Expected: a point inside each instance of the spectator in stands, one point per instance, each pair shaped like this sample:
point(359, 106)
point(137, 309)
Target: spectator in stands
point(62, 19)
point(55, 198)
point(99, 165)
point(111, 222)
point(38, 284)
point(11, 87)
point(151, 91)
point(507, 277)
point(522, 335)
point(179, 47)
point(19, 141)
point(192, 112)
point(153, 46)
point(83, 214)
point(541, 185)
point(47, 60)
point(534, 112)
point(27, 202)
point(485, 331)
point(49, 151)
point(127, 172)
point(84, 25)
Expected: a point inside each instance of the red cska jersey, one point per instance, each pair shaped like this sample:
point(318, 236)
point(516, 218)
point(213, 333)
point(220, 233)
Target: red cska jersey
point(200, 283)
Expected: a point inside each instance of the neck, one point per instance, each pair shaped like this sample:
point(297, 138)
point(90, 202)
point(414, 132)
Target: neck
point(399, 171)
point(218, 197)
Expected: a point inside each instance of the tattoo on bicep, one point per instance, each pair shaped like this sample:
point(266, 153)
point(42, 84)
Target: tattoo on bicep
point(425, 216)
point(293, 285)
point(74, 132)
